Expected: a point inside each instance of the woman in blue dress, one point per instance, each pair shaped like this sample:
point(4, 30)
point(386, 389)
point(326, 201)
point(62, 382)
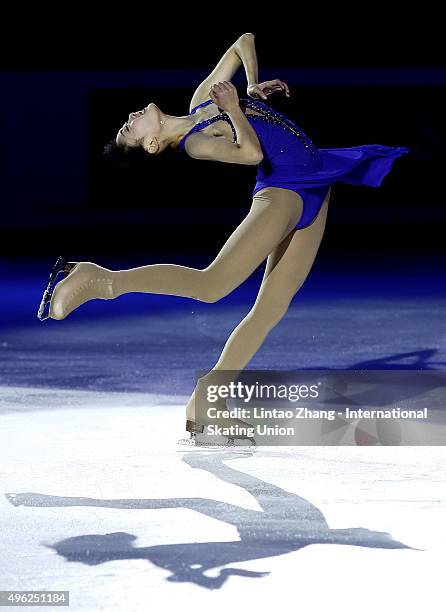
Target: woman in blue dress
point(285, 223)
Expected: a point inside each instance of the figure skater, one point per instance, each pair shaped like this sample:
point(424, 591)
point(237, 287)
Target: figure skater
point(285, 222)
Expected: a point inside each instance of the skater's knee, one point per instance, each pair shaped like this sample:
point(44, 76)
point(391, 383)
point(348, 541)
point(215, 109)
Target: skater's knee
point(269, 314)
point(213, 287)
point(210, 295)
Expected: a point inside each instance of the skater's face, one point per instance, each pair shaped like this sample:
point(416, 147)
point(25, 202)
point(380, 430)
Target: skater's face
point(143, 128)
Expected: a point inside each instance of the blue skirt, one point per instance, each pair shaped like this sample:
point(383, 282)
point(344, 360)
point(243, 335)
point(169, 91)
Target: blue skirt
point(361, 165)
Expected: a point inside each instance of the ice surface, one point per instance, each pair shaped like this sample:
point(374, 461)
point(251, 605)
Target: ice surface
point(99, 499)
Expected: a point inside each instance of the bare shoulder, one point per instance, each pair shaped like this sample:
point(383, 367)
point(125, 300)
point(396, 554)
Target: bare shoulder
point(225, 69)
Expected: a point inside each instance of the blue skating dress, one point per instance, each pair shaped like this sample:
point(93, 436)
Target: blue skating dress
point(292, 161)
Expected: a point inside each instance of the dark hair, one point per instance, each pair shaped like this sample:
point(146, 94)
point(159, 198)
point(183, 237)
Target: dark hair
point(124, 158)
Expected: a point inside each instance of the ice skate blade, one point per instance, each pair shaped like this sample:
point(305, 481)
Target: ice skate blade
point(207, 442)
point(61, 265)
point(196, 443)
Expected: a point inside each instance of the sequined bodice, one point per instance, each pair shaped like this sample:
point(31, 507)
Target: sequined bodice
point(282, 141)
point(274, 117)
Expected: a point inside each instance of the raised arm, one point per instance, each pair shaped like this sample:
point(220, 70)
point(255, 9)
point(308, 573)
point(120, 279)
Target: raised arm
point(230, 62)
point(246, 50)
point(241, 52)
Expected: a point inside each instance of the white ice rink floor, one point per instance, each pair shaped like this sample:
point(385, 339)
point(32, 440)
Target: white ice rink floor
point(100, 500)
point(97, 497)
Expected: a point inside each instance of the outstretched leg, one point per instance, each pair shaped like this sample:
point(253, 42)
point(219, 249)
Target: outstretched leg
point(268, 221)
point(273, 213)
point(286, 270)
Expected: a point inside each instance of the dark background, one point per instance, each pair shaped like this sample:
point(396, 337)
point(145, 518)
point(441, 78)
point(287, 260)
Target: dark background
point(68, 82)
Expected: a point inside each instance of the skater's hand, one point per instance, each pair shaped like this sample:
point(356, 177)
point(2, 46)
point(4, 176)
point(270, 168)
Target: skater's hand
point(263, 90)
point(224, 94)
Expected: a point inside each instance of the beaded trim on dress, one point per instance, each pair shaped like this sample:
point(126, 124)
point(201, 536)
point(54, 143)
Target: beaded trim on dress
point(274, 117)
point(267, 114)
